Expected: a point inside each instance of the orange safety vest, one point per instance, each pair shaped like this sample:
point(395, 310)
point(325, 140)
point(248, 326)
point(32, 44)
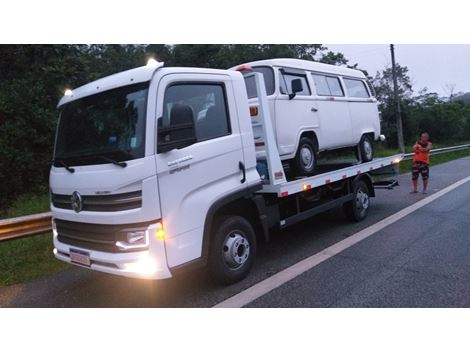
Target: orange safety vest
point(421, 157)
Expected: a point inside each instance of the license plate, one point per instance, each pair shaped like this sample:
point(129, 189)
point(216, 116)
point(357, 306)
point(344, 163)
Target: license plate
point(80, 257)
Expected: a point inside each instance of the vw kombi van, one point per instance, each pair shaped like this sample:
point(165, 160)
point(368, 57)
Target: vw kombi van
point(315, 107)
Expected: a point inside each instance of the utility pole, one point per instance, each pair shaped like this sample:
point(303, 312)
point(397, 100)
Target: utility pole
point(401, 142)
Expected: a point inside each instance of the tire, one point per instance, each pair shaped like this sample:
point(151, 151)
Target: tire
point(305, 161)
point(232, 251)
point(358, 208)
point(365, 149)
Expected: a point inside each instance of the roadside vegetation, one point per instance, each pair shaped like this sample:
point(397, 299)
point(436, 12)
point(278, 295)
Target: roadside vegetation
point(31, 257)
point(405, 166)
point(27, 258)
point(27, 204)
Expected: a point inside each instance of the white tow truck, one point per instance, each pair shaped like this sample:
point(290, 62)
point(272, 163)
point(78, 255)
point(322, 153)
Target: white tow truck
point(155, 170)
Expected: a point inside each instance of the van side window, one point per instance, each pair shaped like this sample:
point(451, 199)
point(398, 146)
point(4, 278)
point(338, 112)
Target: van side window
point(356, 88)
point(203, 103)
point(335, 86)
point(286, 83)
point(328, 85)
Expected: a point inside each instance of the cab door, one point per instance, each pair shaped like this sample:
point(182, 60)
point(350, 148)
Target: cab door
point(193, 177)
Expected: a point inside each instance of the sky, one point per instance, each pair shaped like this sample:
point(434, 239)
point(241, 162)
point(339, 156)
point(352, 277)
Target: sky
point(433, 66)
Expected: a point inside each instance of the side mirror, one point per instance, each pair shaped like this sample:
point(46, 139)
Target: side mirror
point(175, 136)
point(296, 86)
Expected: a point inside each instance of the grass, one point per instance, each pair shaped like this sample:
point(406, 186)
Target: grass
point(27, 258)
point(31, 257)
point(27, 204)
point(405, 166)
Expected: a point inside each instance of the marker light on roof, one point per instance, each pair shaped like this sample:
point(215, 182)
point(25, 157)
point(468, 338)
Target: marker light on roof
point(152, 62)
point(68, 92)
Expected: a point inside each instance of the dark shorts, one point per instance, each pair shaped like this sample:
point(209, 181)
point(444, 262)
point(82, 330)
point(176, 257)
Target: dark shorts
point(419, 168)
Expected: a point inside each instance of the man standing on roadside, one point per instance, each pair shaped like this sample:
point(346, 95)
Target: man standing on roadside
point(421, 162)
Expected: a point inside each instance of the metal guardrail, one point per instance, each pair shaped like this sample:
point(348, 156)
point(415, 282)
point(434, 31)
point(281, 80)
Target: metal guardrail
point(36, 224)
point(409, 156)
point(25, 226)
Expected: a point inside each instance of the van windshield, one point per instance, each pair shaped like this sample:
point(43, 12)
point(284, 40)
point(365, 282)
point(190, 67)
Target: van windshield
point(268, 75)
point(104, 125)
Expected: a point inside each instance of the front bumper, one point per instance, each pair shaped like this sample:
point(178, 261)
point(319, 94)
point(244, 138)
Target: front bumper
point(147, 264)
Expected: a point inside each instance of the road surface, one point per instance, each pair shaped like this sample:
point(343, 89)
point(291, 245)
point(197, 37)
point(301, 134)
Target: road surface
point(422, 260)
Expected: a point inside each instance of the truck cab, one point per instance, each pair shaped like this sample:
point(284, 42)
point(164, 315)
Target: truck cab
point(141, 159)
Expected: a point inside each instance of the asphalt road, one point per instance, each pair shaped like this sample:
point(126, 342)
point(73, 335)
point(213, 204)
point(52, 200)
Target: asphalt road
point(423, 260)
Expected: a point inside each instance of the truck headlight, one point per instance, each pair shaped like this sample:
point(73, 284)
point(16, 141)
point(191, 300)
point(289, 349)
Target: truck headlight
point(137, 237)
point(134, 240)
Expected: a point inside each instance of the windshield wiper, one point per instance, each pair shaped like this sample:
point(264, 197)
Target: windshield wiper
point(86, 157)
point(115, 162)
point(61, 162)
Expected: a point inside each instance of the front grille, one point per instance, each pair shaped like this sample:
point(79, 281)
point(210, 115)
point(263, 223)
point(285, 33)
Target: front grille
point(96, 237)
point(109, 202)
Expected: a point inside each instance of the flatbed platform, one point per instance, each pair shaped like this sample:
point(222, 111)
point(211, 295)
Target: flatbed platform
point(331, 172)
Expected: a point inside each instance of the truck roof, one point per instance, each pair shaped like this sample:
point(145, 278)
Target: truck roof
point(309, 66)
point(133, 76)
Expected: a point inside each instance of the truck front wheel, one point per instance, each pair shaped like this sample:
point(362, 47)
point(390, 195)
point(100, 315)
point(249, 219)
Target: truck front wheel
point(358, 208)
point(233, 250)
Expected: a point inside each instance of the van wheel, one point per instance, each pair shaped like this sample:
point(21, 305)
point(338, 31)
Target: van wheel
point(358, 208)
point(365, 149)
point(305, 160)
point(232, 251)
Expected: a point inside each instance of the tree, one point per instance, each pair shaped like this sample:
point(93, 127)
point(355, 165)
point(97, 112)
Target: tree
point(383, 84)
point(34, 78)
point(229, 55)
point(450, 89)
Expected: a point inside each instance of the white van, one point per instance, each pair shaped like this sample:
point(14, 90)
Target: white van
point(315, 107)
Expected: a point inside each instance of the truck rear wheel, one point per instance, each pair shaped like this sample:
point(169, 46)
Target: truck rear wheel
point(305, 160)
point(233, 250)
point(358, 208)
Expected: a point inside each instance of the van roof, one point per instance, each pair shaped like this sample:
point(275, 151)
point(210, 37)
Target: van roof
point(309, 66)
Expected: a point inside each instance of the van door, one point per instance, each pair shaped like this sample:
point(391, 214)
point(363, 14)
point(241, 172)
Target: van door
point(293, 116)
point(333, 112)
point(192, 178)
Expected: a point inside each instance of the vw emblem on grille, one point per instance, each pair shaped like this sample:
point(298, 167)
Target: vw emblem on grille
point(77, 203)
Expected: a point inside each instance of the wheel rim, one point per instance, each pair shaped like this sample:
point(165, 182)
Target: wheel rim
point(236, 250)
point(307, 157)
point(367, 149)
point(362, 201)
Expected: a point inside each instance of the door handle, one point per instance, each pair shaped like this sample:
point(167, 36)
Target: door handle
point(313, 109)
point(241, 166)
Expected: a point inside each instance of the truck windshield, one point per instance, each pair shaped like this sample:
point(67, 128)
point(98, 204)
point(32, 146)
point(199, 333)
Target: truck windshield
point(108, 125)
